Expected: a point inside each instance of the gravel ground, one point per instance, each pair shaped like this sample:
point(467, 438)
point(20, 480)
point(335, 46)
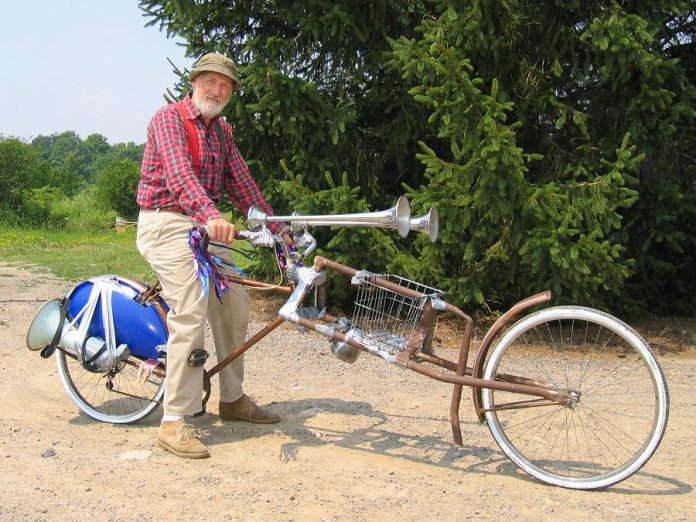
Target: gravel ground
point(362, 442)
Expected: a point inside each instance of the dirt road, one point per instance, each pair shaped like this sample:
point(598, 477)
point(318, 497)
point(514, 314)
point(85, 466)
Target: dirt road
point(366, 442)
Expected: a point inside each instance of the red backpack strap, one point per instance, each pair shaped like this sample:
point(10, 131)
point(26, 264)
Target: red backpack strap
point(192, 138)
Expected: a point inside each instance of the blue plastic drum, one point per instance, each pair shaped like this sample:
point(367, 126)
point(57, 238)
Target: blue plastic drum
point(142, 327)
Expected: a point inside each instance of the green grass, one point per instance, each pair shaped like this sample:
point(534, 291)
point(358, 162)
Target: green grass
point(76, 256)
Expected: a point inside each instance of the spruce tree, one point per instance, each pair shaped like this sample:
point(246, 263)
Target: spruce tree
point(556, 138)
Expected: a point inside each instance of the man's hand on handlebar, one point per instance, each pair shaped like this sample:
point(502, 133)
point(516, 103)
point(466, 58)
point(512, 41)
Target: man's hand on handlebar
point(221, 230)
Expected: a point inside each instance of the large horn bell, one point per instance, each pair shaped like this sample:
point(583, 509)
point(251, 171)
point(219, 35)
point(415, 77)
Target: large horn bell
point(428, 224)
point(45, 325)
point(397, 217)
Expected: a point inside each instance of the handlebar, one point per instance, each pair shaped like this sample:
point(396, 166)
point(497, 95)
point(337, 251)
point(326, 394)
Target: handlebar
point(303, 242)
point(261, 238)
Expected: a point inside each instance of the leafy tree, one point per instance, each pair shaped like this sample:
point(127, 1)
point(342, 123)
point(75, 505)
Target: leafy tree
point(316, 93)
point(42, 183)
point(556, 119)
point(119, 151)
point(95, 146)
point(556, 138)
point(317, 105)
point(17, 164)
point(65, 150)
point(117, 185)
point(28, 184)
point(42, 144)
point(130, 150)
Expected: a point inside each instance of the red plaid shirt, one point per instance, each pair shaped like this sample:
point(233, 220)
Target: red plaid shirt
point(167, 178)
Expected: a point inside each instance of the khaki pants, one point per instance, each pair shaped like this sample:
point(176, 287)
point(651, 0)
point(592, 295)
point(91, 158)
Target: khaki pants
point(162, 240)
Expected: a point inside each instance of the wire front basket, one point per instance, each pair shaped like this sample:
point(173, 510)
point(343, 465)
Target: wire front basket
point(384, 318)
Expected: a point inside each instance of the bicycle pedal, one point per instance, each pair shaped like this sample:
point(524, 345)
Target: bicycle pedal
point(145, 370)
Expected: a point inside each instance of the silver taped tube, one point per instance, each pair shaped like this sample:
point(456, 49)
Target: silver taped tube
point(307, 278)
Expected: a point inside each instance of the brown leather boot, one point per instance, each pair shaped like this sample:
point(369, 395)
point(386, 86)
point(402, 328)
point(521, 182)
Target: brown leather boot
point(177, 437)
point(245, 409)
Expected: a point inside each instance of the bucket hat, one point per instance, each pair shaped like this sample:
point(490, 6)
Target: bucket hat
point(218, 63)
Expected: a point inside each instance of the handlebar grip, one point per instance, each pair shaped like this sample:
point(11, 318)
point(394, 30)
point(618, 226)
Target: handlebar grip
point(238, 234)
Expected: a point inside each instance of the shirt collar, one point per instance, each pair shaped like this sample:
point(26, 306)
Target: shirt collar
point(191, 111)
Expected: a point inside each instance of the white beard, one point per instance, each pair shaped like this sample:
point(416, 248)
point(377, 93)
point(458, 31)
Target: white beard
point(207, 106)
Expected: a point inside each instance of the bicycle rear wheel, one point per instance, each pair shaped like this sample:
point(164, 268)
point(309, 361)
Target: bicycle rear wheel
point(119, 396)
point(621, 401)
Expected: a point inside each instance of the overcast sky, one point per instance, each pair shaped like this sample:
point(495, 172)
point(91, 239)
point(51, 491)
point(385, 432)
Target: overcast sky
point(89, 66)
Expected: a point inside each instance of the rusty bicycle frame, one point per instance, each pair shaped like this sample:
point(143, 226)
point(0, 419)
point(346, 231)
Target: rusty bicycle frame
point(411, 358)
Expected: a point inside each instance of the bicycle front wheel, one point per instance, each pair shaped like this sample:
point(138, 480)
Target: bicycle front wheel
point(620, 400)
point(120, 396)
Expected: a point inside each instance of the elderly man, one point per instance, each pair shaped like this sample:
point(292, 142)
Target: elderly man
point(190, 160)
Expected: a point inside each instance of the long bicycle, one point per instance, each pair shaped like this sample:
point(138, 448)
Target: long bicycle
point(572, 395)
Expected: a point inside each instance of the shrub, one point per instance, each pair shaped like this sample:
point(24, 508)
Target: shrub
point(85, 211)
point(117, 184)
point(37, 207)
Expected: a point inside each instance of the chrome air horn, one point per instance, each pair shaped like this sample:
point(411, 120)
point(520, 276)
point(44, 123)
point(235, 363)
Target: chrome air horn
point(398, 217)
point(428, 223)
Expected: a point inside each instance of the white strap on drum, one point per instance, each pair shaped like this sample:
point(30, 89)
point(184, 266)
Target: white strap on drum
point(102, 289)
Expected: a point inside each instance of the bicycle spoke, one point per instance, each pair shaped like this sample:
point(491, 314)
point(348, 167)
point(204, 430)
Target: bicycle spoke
point(118, 397)
point(609, 429)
